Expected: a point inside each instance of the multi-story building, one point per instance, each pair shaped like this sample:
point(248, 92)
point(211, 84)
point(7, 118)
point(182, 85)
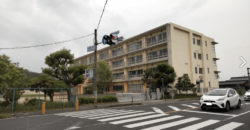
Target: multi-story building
point(186, 50)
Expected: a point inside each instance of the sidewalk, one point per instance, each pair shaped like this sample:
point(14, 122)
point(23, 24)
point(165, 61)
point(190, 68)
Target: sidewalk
point(101, 106)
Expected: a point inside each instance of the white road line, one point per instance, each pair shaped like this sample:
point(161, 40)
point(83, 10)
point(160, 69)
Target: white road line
point(247, 103)
point(188, 105)
point(171, 124)
point(71, 128)
point(242, 104)
point(210, 113)
point(97, 112)
point(230, 126)
point(100, 114)
point(200, 125)
point(137, 119)
point(110, 115)
point(174, 108)
point(127, 116)
point(152, 121)
point(157, 110)
point(196, 103)
point(237, 115)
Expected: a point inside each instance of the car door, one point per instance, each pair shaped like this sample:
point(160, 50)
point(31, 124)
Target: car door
point(231, 100)
point(235, 97)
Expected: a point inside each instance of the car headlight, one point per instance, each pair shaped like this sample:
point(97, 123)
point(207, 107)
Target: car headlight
point(245, 95)
point(221, 99)
point(201, 98)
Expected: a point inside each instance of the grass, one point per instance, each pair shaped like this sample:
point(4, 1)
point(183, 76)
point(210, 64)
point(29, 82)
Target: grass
point(5, 116)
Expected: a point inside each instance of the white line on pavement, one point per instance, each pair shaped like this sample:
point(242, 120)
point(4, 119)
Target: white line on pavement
point(171, 124)
point(188, 105)
point(196, 103)
point(200, 125)
point(110, 115)
point(210, 113)
point(157, 110)
point(174, 108)
point(127, 116)
point(229, 126)
point(237, 115)
point(137, 119)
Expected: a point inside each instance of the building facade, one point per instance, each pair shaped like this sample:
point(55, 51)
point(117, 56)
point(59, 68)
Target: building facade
point(187, 51)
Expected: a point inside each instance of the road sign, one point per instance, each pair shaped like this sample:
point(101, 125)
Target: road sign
point(200, 77)
point(91, 73)
point(103, 40)
point(91, 48)
point(201, 81)
point(116, 32)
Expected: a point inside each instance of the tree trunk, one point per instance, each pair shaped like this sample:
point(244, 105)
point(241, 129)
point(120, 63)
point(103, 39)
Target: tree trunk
point(44, 95)
point(68, 92)
point(51, 97)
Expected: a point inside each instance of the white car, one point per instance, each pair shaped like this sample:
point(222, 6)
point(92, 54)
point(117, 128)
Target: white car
point(247, 95)
point(220, 98)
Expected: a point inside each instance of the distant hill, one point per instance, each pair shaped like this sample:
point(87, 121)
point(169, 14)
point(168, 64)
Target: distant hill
point(31, 74)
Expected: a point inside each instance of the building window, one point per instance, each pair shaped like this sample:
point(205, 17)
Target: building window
point(135, 46)
point(118, 88)
point(215, 62)
point(193, 40)
point(92, 60)
point(198, 42)
point(209, 84)
point(195, 70)
point(207, 70)
point(200, 70)
point(206, 43)
point(84, 61)
point(117, 51)
point(135, 59)
point(104, 56)
point(118, 75)
point(135, 88)
point(135, 73)
point(157, 39)
point(199, 56)
point(106, 89)
point(76, 63)
point(194, 55)
point(216, 75)
point(157, 54)
point(118, 63)
point(213, 48)
point(207, 56)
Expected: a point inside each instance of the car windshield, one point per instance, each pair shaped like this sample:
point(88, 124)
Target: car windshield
point(217, 92)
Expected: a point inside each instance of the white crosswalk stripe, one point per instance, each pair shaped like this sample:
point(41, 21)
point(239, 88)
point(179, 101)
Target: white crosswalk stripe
point(200, 125)
point(230, 126)
point(154, 120)
point(196, 103)
point(174, 108)
point(188, 105)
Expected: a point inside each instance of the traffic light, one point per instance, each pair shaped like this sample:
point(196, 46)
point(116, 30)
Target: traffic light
point(108, 39)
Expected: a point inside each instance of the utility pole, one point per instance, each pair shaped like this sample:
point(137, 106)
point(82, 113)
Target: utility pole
point(248, 73)
point(95, 70)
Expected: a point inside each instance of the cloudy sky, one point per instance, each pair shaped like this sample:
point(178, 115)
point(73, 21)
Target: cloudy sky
point(34, 22)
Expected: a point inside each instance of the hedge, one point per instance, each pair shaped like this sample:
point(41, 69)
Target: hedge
point(107, 98)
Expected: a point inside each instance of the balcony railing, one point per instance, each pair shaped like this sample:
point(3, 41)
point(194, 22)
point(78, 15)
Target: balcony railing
point(119, 65)
point(157, 41)
point(135, 76)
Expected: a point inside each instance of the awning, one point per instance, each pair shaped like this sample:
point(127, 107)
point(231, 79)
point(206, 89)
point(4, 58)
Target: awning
point(214, 43)
point(216, 71)
point(216, 59)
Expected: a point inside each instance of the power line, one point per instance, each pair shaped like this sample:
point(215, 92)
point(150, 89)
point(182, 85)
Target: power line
point(102, 14)
point(47, 44)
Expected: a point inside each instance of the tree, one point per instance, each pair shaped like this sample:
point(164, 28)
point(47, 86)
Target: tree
point(147, 79)
point(184, 84)
point(45, 81)
point(165, 71)
point(59, 68)
point(179, 85)
point(11, 76)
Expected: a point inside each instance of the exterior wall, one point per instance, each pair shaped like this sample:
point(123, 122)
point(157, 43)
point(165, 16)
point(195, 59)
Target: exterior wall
point(180, 55)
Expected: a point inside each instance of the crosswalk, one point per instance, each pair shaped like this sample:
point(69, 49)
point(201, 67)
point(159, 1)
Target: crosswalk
point(143, 120)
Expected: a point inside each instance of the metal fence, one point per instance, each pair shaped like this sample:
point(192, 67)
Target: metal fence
point(125, 97)
point(58, 96)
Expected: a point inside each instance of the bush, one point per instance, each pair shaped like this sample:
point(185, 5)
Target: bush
point(240, 92)
point(107, 98)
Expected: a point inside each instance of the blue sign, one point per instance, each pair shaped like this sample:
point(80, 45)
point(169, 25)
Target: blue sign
point(201, 81)
point(103, 40)
point(116, 32)
point(91, 48)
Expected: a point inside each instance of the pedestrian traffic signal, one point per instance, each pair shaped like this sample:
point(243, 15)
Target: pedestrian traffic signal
point(108, 39)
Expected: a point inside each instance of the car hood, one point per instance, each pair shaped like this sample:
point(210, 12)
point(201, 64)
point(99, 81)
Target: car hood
point(247, 93)
point(213, 98)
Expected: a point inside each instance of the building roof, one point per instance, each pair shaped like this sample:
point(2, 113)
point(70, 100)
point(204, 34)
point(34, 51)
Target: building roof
point(234, 81)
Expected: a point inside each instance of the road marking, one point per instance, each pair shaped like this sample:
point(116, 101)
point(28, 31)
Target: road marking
point(171, 124)
point(174, 108)
point(152, 121)
point(196, 103)
point(127, 116)
point(109, 115)
point(181, 110)
point(157, 110)
point(237, 115)
point(247, 103)
point(210, 113)
point(188, 105)
point(200, 125)
point(242, 104)
point(137, 119)
point(101, 114)
point(71, 128)
point(230, 126)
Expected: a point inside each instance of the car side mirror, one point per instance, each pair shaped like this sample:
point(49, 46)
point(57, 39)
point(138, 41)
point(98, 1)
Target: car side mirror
point(230, 95)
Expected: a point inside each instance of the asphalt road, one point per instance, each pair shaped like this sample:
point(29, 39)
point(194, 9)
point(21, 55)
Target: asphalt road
point(183, 115)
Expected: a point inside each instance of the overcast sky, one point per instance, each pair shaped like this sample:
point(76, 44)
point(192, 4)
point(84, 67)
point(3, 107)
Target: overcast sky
point(34, 22)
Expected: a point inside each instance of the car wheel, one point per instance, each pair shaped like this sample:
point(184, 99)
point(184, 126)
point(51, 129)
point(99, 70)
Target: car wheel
point(239, 104)
point(203, 108)
point(227, 107)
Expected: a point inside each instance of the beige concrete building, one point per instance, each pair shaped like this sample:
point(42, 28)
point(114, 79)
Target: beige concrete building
point(184, 49)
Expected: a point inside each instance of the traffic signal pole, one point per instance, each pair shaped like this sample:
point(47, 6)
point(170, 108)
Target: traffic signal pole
point(248, 73)
point(95, 70)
